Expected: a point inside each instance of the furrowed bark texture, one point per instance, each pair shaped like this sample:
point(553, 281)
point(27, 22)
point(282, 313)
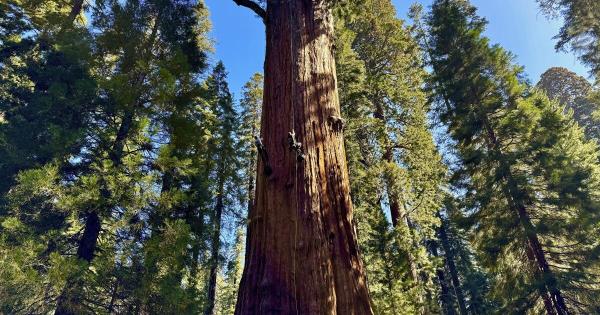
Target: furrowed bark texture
point(303, 255)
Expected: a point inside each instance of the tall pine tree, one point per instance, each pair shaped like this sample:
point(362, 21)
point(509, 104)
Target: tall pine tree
point(530, 176)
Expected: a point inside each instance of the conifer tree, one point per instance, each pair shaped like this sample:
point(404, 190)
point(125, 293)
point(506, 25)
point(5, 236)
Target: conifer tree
point(47, 93)
point(225, 172)
point(580, 32)
point(302, 182)
point(100, 176)
point(381, 87)
point(231, 278)
point(522, 165)
point(250, 106)
point(576, 94)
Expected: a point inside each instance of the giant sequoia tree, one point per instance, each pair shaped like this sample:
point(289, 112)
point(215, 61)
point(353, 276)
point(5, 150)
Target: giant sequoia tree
point(576, 94)
point(300, 228)
point(127, 169)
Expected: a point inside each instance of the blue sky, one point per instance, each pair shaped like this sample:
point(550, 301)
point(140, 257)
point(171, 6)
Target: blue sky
point(517, 25)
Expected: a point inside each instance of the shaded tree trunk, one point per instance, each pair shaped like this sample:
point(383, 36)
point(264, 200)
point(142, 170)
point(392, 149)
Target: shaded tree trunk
point(445, 296)
point(69, 301)
point(253, 163)
point(450, 263)
point(214, 256)
point(397, 212)
point(303, 255)
point(75, 10)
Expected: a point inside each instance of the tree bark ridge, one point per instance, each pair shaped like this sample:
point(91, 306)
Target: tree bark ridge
point(302, 254)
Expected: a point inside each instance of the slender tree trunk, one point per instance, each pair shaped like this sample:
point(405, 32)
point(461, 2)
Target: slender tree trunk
point(449, 259)
point(303, 254)
point(70, 299)
point(397, 211)
point(214, 259)
point(251, 194)
point(69, 302)
point(194, 266)
point(398, 214)
point(194, 218)
point(113, 297)
point(445, 296)
point(550, 294)
point(75, 10)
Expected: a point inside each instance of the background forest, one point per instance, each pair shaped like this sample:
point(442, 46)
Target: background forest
point(128, 169)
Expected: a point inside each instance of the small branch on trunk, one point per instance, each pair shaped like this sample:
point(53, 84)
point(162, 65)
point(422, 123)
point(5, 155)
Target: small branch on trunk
point(255, 7)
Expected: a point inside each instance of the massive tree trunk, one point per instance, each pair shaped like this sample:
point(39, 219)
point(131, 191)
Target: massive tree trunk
point(303, 255)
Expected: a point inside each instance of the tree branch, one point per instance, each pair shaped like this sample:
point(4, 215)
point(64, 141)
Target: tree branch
point(255, 7)
point(75, 10)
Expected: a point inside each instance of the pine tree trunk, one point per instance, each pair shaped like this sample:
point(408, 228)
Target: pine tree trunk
point(303, 254)
point(251, 194)
point(194, 218)
point(214, 256)
point(69, 300)
point(445, 296)
point(397, 212)
point(449, 255)
point(75, 10)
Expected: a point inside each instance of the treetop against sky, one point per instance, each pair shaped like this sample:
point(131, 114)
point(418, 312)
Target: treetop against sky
point(517, 25)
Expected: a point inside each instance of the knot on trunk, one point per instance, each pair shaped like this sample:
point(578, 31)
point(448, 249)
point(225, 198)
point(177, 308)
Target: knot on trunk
point(337, 123)
point(262, 153)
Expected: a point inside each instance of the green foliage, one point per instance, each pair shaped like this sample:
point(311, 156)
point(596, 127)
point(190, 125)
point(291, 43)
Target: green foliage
point(576, 94)
point(393, 161)
point(118, 117)
point(580, 32)
point(47, 92)
point(516, 149)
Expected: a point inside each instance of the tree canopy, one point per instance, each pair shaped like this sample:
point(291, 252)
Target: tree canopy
point(376, 165)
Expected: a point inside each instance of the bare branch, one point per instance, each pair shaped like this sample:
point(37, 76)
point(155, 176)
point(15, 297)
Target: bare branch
point(255, 7)
point(75, 10)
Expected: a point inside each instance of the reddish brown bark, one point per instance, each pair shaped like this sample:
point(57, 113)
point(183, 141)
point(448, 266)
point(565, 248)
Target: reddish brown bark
point(303, 255)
